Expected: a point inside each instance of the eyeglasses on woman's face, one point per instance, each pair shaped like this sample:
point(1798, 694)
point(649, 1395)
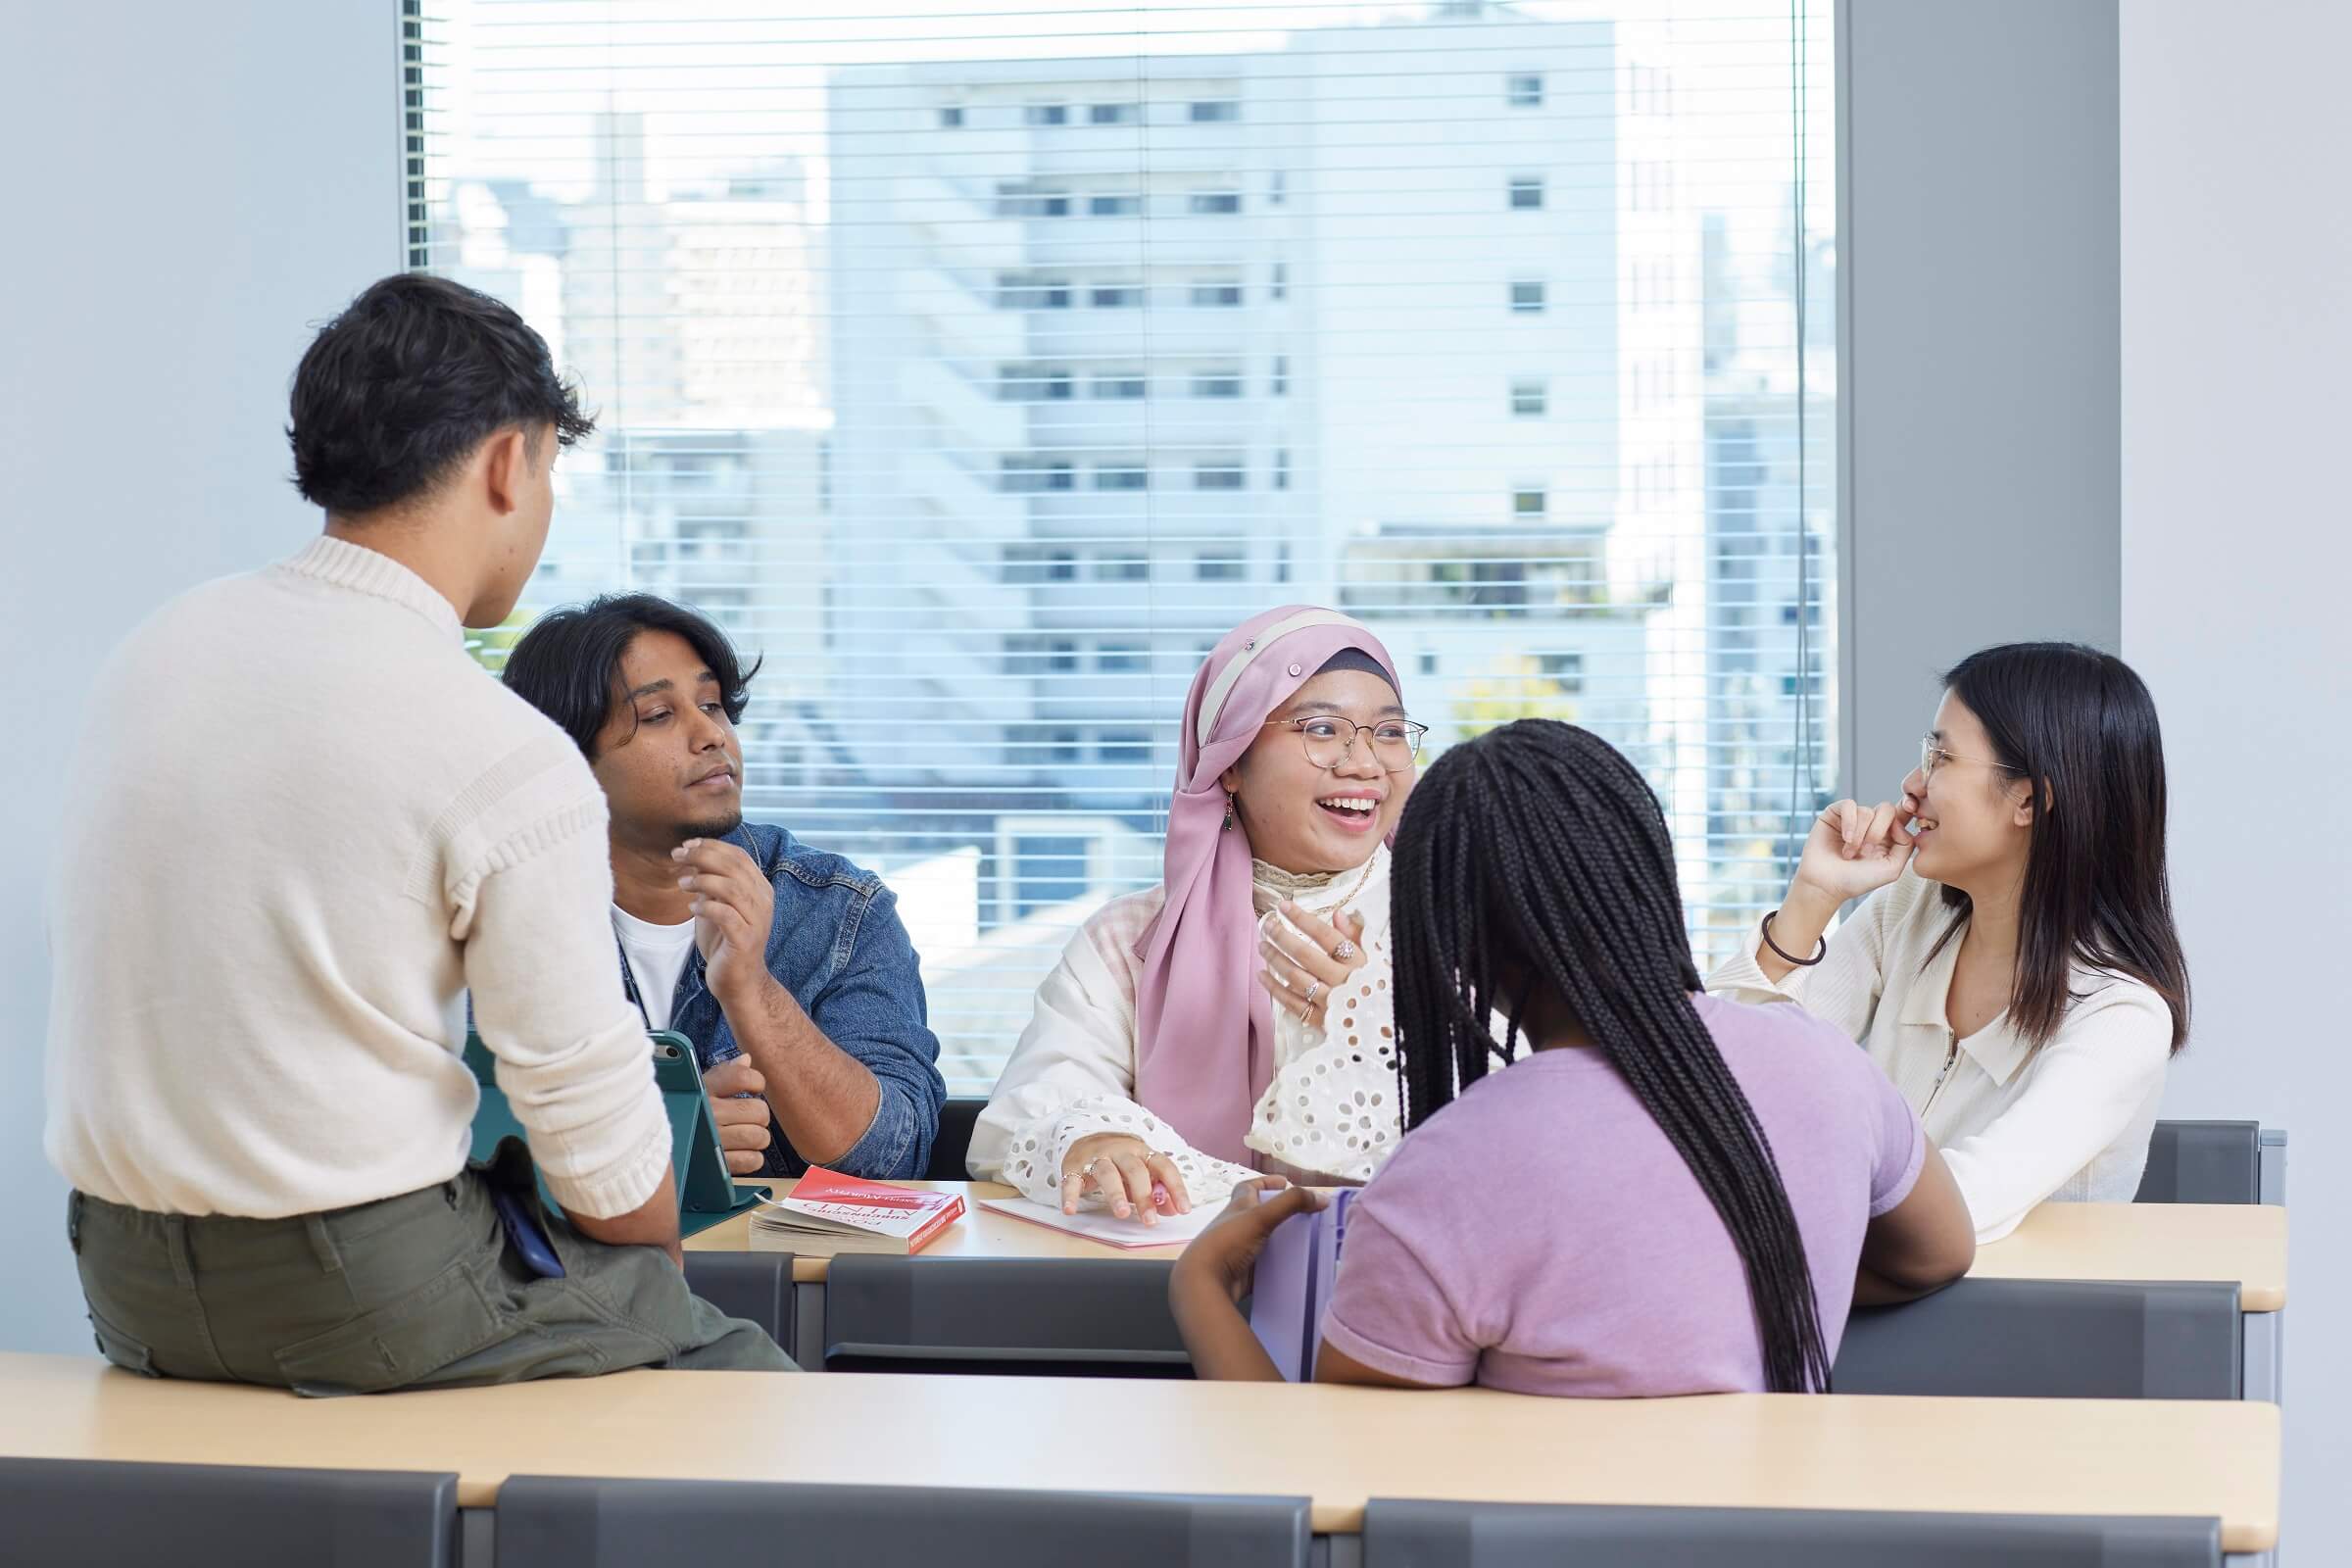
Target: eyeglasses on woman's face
point(1330, 740)
point(1932, 756)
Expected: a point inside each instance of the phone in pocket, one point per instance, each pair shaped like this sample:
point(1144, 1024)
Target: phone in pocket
point(525, 1235)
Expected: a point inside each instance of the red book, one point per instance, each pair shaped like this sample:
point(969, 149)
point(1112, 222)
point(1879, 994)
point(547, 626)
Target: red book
point(830, 1212)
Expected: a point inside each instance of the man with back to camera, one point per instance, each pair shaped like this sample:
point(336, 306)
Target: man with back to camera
point(308, 823)
point(788, 967)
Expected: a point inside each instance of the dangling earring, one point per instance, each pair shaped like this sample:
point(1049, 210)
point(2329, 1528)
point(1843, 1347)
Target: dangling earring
point(1228, 827)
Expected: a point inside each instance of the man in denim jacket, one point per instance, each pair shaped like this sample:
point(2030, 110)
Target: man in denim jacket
point(788, 967)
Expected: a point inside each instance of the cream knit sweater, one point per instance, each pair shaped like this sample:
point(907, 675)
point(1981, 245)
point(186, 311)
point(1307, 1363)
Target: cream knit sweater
point(300, 824)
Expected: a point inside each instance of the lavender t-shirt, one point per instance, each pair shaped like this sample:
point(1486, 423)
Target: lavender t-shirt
point(1540, 1235)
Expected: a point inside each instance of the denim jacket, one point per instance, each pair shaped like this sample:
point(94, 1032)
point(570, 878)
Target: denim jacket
point(840, 948)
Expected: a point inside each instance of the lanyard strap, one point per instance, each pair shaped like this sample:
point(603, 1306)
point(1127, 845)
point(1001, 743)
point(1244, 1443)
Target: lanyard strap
point(628, 977)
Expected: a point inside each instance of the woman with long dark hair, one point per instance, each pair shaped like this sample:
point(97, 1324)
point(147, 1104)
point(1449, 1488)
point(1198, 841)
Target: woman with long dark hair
point(2013, 968)
point(1662, 1193)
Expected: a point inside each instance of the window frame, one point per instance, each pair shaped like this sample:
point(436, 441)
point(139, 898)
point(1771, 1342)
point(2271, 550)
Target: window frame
point(934, 505)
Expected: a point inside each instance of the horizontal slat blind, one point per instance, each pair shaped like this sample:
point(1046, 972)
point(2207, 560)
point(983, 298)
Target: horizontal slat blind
point(981, 364)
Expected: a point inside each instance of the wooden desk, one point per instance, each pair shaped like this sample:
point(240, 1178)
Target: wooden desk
point(978, 1234)
point(2244, 1244)
point(2241, 1243)
point(1335, 1445)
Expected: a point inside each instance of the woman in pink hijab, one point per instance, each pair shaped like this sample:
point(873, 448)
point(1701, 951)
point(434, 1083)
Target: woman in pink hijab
point(1237, 1018)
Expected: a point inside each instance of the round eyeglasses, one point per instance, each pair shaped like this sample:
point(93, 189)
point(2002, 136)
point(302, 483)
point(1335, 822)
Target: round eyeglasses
point(1932, 756)
point(1329, 741)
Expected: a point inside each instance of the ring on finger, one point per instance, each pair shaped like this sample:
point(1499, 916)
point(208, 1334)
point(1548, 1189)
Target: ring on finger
point(1314, 989)
point(1344, 950)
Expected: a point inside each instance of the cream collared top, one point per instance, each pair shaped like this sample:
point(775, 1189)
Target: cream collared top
point(2069, 1122)
point(1330, 1113)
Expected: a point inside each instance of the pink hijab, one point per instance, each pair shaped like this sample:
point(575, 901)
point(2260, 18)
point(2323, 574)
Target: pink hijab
point(1205, 1027)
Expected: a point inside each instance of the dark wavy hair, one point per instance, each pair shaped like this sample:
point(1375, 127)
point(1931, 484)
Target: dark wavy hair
point(567, 665)
point(1536, 857)
point(2081, 726)
point(396, 392)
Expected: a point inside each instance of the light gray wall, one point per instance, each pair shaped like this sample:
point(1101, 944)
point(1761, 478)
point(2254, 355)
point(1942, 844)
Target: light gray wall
point(190, 188)
point(1978, 253)
point(2238, 555)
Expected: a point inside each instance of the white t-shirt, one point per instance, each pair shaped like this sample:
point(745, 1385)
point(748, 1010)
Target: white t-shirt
point(656, 957)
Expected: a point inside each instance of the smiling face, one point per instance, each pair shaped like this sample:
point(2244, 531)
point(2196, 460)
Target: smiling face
point(1309, 819)
point(668, 756)
point(1976, 820)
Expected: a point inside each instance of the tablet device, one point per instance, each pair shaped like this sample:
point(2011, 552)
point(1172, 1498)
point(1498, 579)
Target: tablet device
point(1292, 1283)
point(707, 1192)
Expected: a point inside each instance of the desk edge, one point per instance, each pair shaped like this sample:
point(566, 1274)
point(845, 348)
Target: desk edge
point(1347, 1518)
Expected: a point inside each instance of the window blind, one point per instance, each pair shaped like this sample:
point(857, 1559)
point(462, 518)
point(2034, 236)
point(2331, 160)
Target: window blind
point(980, 364)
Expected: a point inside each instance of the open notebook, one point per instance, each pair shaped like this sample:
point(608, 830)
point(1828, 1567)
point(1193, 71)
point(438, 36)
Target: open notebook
point(1102, 1225)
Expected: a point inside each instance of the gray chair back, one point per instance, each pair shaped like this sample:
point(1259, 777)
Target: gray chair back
point(552, 1522)
point(953, 1140)
point(2049, 1340)
point(1068, 1317)
point(2203, 1162)
point(102, 1514)
point(1455, 1535)
point(757, 1285)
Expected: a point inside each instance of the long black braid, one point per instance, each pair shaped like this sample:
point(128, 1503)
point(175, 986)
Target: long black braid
point(1537, 849)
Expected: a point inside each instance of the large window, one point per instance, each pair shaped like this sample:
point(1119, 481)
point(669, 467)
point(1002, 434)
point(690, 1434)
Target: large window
point(981, 365)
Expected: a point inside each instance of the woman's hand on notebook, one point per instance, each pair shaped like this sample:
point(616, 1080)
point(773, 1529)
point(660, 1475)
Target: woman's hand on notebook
point(1134, 1180)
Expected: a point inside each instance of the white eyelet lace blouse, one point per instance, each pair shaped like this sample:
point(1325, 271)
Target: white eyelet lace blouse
point(1329, 1115)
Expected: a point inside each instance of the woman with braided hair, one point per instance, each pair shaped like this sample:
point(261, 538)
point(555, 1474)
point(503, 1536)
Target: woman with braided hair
point(1661, 1194)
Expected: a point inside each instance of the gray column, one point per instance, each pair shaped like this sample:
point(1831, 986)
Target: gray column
point(1980, 379)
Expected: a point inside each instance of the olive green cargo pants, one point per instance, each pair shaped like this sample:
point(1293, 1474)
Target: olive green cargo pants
point(419, 1290)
